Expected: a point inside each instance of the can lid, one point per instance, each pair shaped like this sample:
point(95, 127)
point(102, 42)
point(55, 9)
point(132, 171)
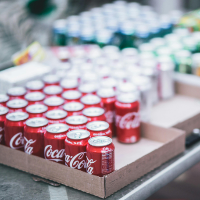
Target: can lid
point(126, 87)
point(35, 85)
point(71, 95)
point(146, 47)
point(34, 96)
point(157, 42)
point(119, 74)
point(97, 126)
point(100, 141)
point(36, 108)
point(56, 114)
point(128, 97)
point(78, 134)
point(69, 83)
point(106, 92)
point(90, 99)
point(3, 110)
point(87, 88)
point(37, 122)
point(129, 52)
point(17, 103)
point(73, 106)
point(76, 120)
point(57, 128)
point(51, 79)
point(17, 116)
point(3, 98)
point(16, 91)
point(53, 89)
point(93, 112)
point(53, 101)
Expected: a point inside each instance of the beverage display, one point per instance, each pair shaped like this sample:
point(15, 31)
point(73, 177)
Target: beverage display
point(34, 136)
point(16, 93)
point(3, 113)
point(36, 110)
point(76, 122)
point(3, 99)
point(17, 105)
point(71, 96)
point(127, 118)
point(56, 116)
point(75, 149)
point(99, 128)
point(34, 98)
point(100, 156)
point(54, 103)
point(73, 108)
point(14, 130)
point(91, 100)
point(94, 114)
point(34, 86)
point(54, 142)
point(52, 90)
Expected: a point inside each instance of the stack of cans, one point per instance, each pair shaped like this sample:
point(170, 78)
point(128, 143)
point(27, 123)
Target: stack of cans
point(119, 23)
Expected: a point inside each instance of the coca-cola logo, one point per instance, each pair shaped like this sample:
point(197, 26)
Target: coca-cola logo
point(17, 141)
point(89, 165)
point(54, 155)
point(128, 121)
point(76, 162)
point(110, 116)
point(27, 148)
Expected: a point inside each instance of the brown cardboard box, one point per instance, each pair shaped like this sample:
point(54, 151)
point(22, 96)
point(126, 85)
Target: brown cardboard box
point(181, 112)
point(156, 146)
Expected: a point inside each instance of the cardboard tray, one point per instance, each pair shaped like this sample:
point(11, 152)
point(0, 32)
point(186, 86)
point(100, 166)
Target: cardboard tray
point(156, 146)
point(181, 112)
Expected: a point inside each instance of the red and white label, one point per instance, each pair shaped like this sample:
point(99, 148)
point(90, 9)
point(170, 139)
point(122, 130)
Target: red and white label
point(54, 155)
point(17, 141)
point(27, 147)
point(90, 168)
point(110, 116)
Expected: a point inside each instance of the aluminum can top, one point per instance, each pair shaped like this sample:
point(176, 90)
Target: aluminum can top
point(37, 122)
point(78, 134)
point(100, 141)
point(17, 116)
point(97, 126)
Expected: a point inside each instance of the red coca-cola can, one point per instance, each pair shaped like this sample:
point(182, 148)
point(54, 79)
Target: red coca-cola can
point(35, 86)
point(36, 110)
point(71, 96)
point(87, 88)
point(73, 108)
point(75, 149)
point(69, 84)
point(127, 118)
point(108, 102)
point(14, 130)
point(76, 122)
point(94, 114)
point(16, 93)
point(3, 113)
point(108, 83)
point(3, 99)
point(34, 136)
point(54, 103)
point(53, 90)
point(100, 156)
point(35, 98)
point(51, 79)
point(99, 128)
point(56, 116)
point(54, 142)
point(17, 105)
point(91, 100)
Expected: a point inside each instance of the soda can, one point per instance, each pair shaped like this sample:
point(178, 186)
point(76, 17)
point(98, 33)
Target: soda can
point(54, 142)
point(34, 136)
point(35, 86)
point(16, 93)
point(129, 52)
point(195, 65)
point(3, 99)
point(99, 128)
point(73, 108)
point(75, 149)
point(100, 156)
point(64, 56)
point(14, 130)
point(87, 88)
point(108, 83)
point(126, 87)
point(53, 90)
point(54, 103)
point(158, 42)
point(76, 122)
point(127, 108)
point(108, 99)
point(71, 96)
point(104, 38)
point(120, 75)
point(94, 114)
point(17, 105)
point(36, 110)
point(56, 116)
point(69, 84)
point(3, 113)
point(51, 79)
point(91, 100)
point(34, 98)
